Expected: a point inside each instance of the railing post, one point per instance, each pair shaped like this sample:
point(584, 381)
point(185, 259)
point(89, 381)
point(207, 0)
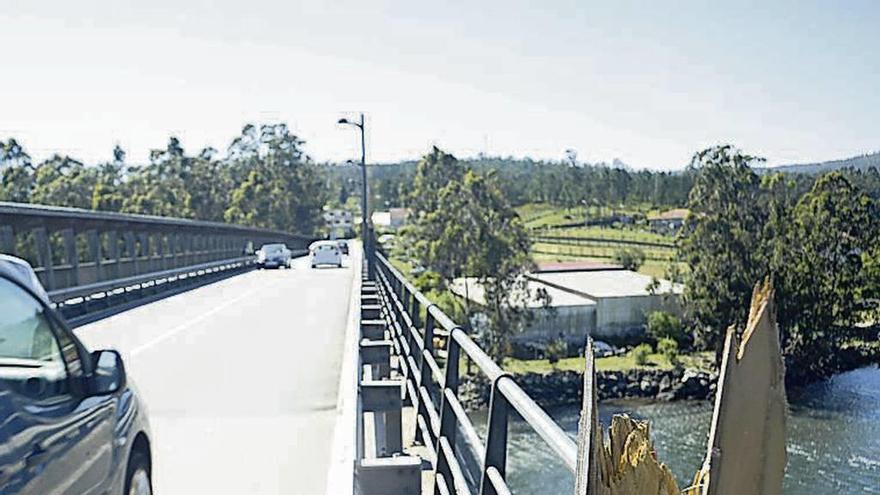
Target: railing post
point(405, 298)
point(146, 255)
point(71, 256)
point(113, 252)
point(496, 441)
point(44, 257)
point(160, 251)
point(176, 241)
point(448, 421)
point(415, 309)
point(95, 253)
point(131, 252)
point(425, 377)
point(7, 240)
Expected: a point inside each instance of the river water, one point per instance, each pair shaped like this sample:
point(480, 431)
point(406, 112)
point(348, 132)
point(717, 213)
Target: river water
point(833, 435)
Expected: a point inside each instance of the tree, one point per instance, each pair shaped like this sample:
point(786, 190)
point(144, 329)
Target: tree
point(17, 184)
point(821, 273)
point(280, 188)
point(63, 181)
point(629, 259)
point(209, 185)
point(16, 172)
point(722, 242)
point(109, 193)
point(13, 154)
point(663, 325)
point(464, 228)
point(266, 180)
point(433, 172)
point(160, 188)
point(819, 248)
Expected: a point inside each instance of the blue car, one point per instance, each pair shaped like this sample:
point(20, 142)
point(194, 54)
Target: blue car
point(70, 420)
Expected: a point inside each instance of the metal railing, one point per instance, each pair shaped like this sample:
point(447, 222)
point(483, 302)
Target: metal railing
point(440, 416)
point(94, 263)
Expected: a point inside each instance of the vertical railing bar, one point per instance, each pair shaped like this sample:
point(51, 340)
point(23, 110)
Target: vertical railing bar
point(496, 440)
point(425, 371)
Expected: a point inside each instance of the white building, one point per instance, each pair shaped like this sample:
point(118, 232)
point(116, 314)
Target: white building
point(339, 223)
point(605, 303)
point(394, 218)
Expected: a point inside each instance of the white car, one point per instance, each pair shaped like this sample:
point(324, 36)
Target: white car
point(325, 253)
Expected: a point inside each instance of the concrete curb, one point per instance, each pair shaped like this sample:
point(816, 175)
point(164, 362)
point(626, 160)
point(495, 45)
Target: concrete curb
point(340, 474)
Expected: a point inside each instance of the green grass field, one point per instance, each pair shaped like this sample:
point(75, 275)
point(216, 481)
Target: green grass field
point(533, 211)
point(537, 216)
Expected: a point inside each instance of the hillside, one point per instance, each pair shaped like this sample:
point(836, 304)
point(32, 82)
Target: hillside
point(863, 162)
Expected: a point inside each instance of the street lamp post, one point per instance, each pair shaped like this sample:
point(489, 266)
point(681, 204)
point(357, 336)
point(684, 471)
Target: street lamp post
point(365, 230)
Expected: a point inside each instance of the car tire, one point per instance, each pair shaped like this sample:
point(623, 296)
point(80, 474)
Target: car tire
point(314, 266)
point(137, 476)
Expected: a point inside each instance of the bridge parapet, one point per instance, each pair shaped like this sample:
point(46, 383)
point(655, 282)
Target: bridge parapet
point(79, 253)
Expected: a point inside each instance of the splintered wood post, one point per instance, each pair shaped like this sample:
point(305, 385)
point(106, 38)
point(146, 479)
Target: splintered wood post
point(747, 439)
point(629, 465)
point(589, 436)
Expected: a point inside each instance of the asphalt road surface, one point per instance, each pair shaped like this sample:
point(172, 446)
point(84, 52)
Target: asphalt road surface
point(240, 379)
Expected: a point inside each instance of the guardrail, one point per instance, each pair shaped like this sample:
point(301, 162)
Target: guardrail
point(94, 263)
point(441, 420)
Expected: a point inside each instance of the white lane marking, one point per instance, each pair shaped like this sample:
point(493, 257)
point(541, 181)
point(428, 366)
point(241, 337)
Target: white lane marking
point(183, 326)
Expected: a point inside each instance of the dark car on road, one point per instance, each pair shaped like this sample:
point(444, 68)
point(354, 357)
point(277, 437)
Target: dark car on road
point(70, 420)
point(343, 247)
point(273, 256)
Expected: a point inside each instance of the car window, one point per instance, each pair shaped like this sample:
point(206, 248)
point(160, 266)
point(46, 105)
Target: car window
point(31, 361)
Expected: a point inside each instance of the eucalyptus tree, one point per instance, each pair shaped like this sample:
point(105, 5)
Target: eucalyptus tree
point(824, 273)
point(722, 242)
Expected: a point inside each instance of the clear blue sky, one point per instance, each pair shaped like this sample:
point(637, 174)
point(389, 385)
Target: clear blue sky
point(646, 82)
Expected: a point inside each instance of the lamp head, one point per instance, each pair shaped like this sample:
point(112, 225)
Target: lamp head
point(343, 121)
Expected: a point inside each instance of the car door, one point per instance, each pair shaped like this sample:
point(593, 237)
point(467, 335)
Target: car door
point(53, 439)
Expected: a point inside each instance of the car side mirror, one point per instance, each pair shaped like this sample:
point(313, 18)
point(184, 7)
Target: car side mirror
point(109, 372)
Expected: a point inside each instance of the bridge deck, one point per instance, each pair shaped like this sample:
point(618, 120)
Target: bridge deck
point(240, 378)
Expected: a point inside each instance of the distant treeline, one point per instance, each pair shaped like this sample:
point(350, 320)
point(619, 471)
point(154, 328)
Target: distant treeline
point(566, 184)
point(265, 180)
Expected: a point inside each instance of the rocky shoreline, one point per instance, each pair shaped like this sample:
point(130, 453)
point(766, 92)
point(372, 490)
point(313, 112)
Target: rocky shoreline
point(565, 388)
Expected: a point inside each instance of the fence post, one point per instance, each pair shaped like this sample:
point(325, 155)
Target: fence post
point(589, 436)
